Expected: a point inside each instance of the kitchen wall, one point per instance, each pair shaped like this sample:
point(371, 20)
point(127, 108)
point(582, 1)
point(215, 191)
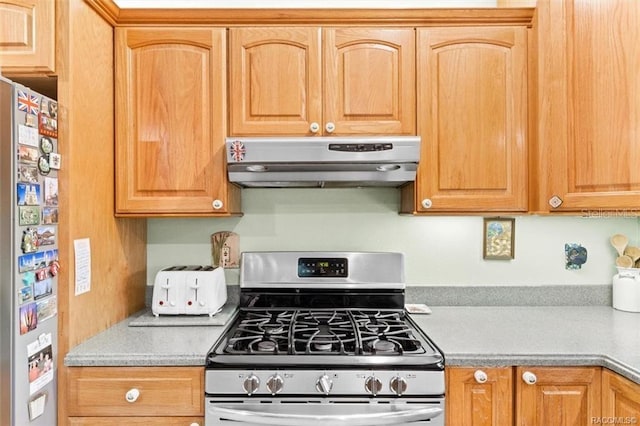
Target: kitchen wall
point(439, 250)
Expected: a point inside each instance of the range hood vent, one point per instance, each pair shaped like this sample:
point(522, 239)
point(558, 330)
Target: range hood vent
point(309, 162)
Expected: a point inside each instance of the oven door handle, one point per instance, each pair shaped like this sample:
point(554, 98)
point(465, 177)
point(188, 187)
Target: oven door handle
point(281, 418)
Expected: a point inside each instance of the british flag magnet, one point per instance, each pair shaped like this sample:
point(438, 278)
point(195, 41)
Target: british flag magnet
point(28, 103)
point(237, 151)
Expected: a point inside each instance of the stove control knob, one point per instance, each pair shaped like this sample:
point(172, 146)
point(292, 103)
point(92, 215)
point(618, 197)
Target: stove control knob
point(275, 384)
point(373, 385)
point(398, 385)
point(251, 384)
point(324, 384)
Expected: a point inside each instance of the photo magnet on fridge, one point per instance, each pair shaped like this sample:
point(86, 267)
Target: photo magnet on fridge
point(27, 173)
point(28, 215)
point(28, 194)
point(27, 154)
point(29, 240)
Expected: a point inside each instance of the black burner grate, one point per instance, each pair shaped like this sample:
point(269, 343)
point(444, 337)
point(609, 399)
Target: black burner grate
point(322, 332)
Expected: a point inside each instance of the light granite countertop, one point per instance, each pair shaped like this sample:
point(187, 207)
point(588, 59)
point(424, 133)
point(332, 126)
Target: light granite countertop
point(468, 336)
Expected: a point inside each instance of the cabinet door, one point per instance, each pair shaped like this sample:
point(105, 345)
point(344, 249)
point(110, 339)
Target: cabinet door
point(568, 396)
point(472, 109)
point(27, 37)
point(369, 81)
point(479, 396)
point(620, 398)
point(170, 97)
point(589, 116)
point(275, 80)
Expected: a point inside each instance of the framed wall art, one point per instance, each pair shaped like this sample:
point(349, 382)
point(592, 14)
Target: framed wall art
point(498, 238)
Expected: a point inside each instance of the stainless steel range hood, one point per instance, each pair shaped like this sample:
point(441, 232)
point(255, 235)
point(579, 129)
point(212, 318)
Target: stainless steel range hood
point(323, 161)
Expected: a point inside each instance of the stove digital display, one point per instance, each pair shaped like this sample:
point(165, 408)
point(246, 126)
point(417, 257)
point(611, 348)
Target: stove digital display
point(323, 267)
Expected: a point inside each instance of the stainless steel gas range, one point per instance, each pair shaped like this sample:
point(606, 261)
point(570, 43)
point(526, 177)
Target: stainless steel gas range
point(322, 338)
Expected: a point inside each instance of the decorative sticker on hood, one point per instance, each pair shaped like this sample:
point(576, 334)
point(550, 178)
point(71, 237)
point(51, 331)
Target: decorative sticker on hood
point(237, 151)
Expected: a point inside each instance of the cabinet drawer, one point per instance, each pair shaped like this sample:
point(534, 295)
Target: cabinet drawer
point(136, 421)
point(166, 391)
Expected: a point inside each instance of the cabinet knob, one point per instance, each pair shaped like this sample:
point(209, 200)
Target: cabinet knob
point(330, 127)
point(480, 376)
point(529, 378)
point(314, 127)
point(194, 424)
point(426, 203)
point(132, 395)
point(555, 201)
point(217, 204)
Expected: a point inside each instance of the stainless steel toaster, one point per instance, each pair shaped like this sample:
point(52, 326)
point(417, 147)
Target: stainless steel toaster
point(189, 290)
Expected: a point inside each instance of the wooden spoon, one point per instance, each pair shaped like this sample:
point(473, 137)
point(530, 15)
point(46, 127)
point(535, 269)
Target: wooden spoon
point(633, 252)
point(624, 261)
point(619, 242)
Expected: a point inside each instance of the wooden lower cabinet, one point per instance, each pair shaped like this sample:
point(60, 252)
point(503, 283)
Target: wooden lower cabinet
point(479, 396)
point(528, 396)
point(135, 395)
point(620, 399)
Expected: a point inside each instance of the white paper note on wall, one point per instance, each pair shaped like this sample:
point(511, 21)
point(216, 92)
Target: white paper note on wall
point(82, 250)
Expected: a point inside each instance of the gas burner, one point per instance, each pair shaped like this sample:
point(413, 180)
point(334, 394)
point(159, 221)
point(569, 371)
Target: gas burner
point(267, 346)
point(384, 346)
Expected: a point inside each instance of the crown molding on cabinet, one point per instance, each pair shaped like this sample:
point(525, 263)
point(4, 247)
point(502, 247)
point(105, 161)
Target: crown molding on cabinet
point(379, 17)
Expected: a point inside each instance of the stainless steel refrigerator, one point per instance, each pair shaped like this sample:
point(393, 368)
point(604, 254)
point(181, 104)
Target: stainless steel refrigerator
point(29, 264)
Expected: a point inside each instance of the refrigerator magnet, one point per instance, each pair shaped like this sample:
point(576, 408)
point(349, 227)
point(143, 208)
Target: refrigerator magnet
point(28, 215)
point(27, 173)
point(25, 294)
point(54, 161)
point(54, 268)
point(28, 194)
point(49, 215)
point(28, 279)
point(28, 103)
point(28, 318)
point(27, 135)
point(29, 240)
point(53, 110)
point(44, 106)
point(31, 120)
point(50, 191)
point(46, 145)
point(46, 235)
point(43, 165)
point(27, 154)
point(48, 126)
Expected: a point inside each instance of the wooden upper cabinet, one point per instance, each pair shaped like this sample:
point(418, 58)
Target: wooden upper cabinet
point(620, 397)
point(568, 396)
point(275, 80)
point(479, 396)
point(589, 115)
point(170, 120)
point(314, 81)
point(472, 109)
point(27, 37)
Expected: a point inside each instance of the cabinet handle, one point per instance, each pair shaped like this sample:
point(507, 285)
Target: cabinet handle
point(330, 127)
point(529, 378)
point(132, 395)
point(217, 204)
point(555, 201)
point(314, 127)
point(426, 203)
point(480, 376)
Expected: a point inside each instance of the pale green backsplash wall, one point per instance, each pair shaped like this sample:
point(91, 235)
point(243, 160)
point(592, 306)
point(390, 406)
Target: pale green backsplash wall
point(439, 250)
